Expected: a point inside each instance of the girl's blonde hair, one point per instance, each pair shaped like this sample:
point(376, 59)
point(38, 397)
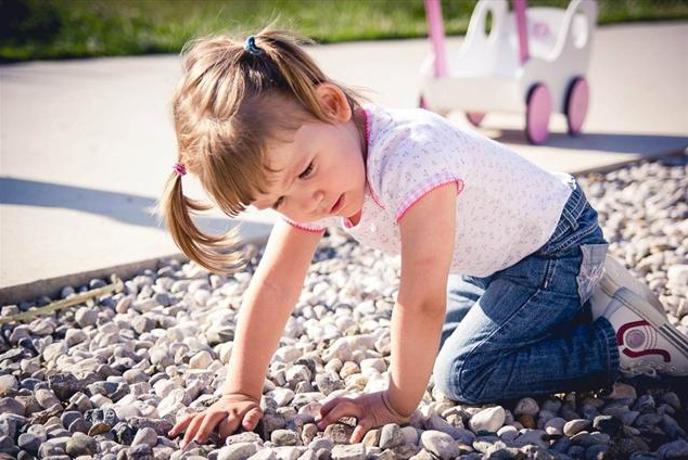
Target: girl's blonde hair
point(227, 106)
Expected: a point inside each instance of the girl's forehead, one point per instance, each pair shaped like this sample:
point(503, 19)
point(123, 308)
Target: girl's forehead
point(286, 148)
point(284, 159)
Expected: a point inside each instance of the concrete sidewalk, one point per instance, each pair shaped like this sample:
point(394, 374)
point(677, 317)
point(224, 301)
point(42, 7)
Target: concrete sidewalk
point(86, 145)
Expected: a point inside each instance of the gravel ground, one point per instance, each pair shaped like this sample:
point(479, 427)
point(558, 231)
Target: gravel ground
point(108, 379)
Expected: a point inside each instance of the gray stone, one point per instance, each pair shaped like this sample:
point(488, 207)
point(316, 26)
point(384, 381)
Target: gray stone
point(339, 433)
point(248, 436)
point(573, 427)
point(586, 439)
point(146, 436)
point(140, 452)
point(142, 324)
point(607, 424)
point(533, 437)
point(284, 438)
point(264, 454)
point(371, 438)
point(672, 399)
point(75, 337)
point(527, 406)
point(674, 449)
point(348, 452)
point(597, 452)
point(46, 398)
point(288, 452)
point(81, 444)
point(11, 406)
point(29, 442)
point(623, 391)
point(391, 436)
point(555, 426)
point(440, 444)
point(86, 316)
point(237, 451)
point(321, 443)
point(8, 384)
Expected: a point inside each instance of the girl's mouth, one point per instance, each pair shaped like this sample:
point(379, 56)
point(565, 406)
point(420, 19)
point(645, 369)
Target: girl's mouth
point(337, 205)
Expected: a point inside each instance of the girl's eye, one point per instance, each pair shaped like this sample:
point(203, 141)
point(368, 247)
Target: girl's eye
point(307, 172)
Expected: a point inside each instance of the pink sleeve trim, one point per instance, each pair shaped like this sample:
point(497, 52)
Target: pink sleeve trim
point(305, 227)
point(436, 182)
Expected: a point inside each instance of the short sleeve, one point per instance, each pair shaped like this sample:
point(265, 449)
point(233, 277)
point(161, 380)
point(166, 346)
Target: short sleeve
point(317, 226)
point(423, 158)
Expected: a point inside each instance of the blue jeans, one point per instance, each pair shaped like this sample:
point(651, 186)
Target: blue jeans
point(528, 330)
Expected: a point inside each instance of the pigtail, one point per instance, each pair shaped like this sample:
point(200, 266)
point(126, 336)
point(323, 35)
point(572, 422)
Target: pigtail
point(219, 254)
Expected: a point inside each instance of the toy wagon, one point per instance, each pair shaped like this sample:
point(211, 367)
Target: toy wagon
point(532, 59)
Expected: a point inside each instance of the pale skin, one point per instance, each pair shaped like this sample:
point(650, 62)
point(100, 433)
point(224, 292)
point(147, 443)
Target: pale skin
point(309, 185)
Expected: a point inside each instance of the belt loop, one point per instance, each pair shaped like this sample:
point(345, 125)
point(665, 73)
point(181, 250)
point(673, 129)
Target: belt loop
point(574, 207)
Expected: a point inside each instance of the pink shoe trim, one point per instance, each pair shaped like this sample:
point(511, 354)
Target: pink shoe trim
point(651, 351)
point(636, 354)
point(622, 330)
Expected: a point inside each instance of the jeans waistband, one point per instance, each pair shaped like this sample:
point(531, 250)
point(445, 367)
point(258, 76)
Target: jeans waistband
point(578, 223)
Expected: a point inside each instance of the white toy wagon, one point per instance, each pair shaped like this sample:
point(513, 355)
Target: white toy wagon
point(533, 59)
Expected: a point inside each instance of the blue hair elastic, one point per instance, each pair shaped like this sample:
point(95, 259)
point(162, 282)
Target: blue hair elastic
point(250, 46)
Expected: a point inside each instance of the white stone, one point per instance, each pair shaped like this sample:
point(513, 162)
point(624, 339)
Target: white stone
point(8, 383)
point(490, 420)
point(201, 360)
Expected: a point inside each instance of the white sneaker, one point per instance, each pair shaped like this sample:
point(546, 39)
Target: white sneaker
point(647, 342)
point(615, 277)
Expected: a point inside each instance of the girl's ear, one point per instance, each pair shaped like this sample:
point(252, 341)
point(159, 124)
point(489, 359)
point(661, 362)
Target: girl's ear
point(333, 101)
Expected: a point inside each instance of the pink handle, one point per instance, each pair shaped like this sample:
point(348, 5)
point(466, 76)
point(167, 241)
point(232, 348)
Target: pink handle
point(522, 27)
point(433, 12)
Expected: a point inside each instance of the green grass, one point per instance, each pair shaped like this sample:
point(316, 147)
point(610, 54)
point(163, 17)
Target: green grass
point(49, 29)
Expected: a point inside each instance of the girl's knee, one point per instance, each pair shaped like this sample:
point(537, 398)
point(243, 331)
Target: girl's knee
point(460, 380)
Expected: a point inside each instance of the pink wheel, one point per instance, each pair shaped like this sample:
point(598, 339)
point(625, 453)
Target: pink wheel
point(576, 104)
point(475, 118)
point(538, 111)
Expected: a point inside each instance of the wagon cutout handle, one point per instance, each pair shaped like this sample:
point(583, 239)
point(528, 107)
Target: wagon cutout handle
point(433, 13)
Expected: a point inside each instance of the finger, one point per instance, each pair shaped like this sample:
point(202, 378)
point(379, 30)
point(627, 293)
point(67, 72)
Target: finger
point(227, 427)
point(330, 404)
point(345, 408)
point(207, 426)
point(181, 425)
point(252, 418)
point(359, 432)
point(192, 429)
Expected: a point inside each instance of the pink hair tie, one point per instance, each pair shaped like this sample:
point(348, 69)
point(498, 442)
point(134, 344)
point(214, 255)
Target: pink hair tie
point(180, 168)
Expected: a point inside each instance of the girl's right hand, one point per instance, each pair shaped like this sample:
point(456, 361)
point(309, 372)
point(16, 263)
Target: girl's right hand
point(227, 413)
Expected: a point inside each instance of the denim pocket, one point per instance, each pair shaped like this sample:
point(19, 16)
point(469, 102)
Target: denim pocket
point(591, 269)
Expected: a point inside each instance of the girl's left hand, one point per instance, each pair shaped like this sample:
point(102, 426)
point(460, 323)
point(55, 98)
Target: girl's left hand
point(370, 411)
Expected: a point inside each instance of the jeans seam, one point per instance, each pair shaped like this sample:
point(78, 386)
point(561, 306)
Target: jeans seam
point(457, 374)
point(610, 343)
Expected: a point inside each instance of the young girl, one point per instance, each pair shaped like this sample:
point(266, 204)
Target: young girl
point(260, 124)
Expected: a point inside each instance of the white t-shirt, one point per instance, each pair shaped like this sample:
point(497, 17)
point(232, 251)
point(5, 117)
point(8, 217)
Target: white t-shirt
point(507, 207)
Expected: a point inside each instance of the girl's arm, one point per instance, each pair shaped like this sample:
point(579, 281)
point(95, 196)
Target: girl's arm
point(427, 246)
point(269, 300)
